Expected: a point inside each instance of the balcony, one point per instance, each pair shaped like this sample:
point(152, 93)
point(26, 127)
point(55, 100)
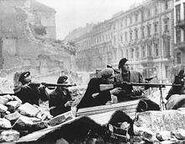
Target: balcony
point(180, 46)
point(181, 24)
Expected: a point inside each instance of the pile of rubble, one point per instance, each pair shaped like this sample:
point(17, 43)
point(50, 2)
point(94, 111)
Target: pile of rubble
point(17, 119)
point(161, 126)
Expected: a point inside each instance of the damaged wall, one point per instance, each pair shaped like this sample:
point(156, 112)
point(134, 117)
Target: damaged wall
point(21, 45)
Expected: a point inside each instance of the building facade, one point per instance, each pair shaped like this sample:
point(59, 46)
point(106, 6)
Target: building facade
point(179, 36)
point(143, 34)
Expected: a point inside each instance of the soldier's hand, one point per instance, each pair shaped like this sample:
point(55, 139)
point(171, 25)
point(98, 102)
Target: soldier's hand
point(68, 103)
point(126, 83)
point(116, 91)
point(42, 85)
point(95, 95)
point(137, 92)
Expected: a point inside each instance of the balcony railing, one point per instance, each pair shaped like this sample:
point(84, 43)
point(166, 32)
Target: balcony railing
point(181, 24)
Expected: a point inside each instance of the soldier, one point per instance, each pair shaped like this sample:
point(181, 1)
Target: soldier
point(126, 75)
point(60, 100)
point(93, 96)
point(28, 91)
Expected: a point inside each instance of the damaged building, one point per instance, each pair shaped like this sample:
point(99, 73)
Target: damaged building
point(28, 38)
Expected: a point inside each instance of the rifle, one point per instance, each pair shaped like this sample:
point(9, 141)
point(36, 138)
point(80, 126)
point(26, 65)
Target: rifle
point(2, 94)
point(57, 85)
point(49, 85)
point(53, 85)
point(104, 87)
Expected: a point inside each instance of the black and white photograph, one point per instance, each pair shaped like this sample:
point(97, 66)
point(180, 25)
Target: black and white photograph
point(92, 71)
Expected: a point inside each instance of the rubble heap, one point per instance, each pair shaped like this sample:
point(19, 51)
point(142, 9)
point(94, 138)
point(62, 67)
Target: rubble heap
point(161, 126)
point(17, 119)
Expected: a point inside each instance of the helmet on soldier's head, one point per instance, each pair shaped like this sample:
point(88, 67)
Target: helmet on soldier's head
point(107, 73)
point(23, 76)
point(62, 79)
point(122, 62)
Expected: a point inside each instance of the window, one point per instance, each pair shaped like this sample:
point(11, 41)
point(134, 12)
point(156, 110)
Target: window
point(149, 29)
point(114, 26)
point(130, 35)
point(166, 43)
point(136, 17)
point(177, 13)
point(148, 13)
point(178, 58)
point(142, 32)
point(132, 53)
point(156, 48)
point(156, 27)
point(166, 4)
point(184, 10)
point(136, 34)
point(121, 38)
point(166, 25)
point(143, 52)
point(155, 10)
point(149, 50)
point(114, 39)
point(137, 53)
point(127, 54)
point(178, 35)
point(184, 35)
point(130, 20)
point(126, 36)
point(126, 22)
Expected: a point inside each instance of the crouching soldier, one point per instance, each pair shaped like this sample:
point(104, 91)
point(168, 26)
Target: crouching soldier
point(60, 100)
point(28, 91)
point(94, 96)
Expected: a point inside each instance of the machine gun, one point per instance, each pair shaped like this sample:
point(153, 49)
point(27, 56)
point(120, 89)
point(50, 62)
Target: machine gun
point(104, 87)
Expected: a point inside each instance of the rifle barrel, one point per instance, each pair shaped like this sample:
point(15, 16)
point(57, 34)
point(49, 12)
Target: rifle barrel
point(2, 94)
point(54, 85)
point(154, 84)
point(58, 85)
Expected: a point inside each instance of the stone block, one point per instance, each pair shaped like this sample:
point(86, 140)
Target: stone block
point(23, 123)
point(165, 136)
point(15, 98)
point(28, 110)
point(179, 134)
point(157, 121)
point(9, 136)
point(4, 123)
point(13, 105)
point(3, 100)
point(3, 108)
point(144, 133)
point(61, 118)
point(12, 116)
